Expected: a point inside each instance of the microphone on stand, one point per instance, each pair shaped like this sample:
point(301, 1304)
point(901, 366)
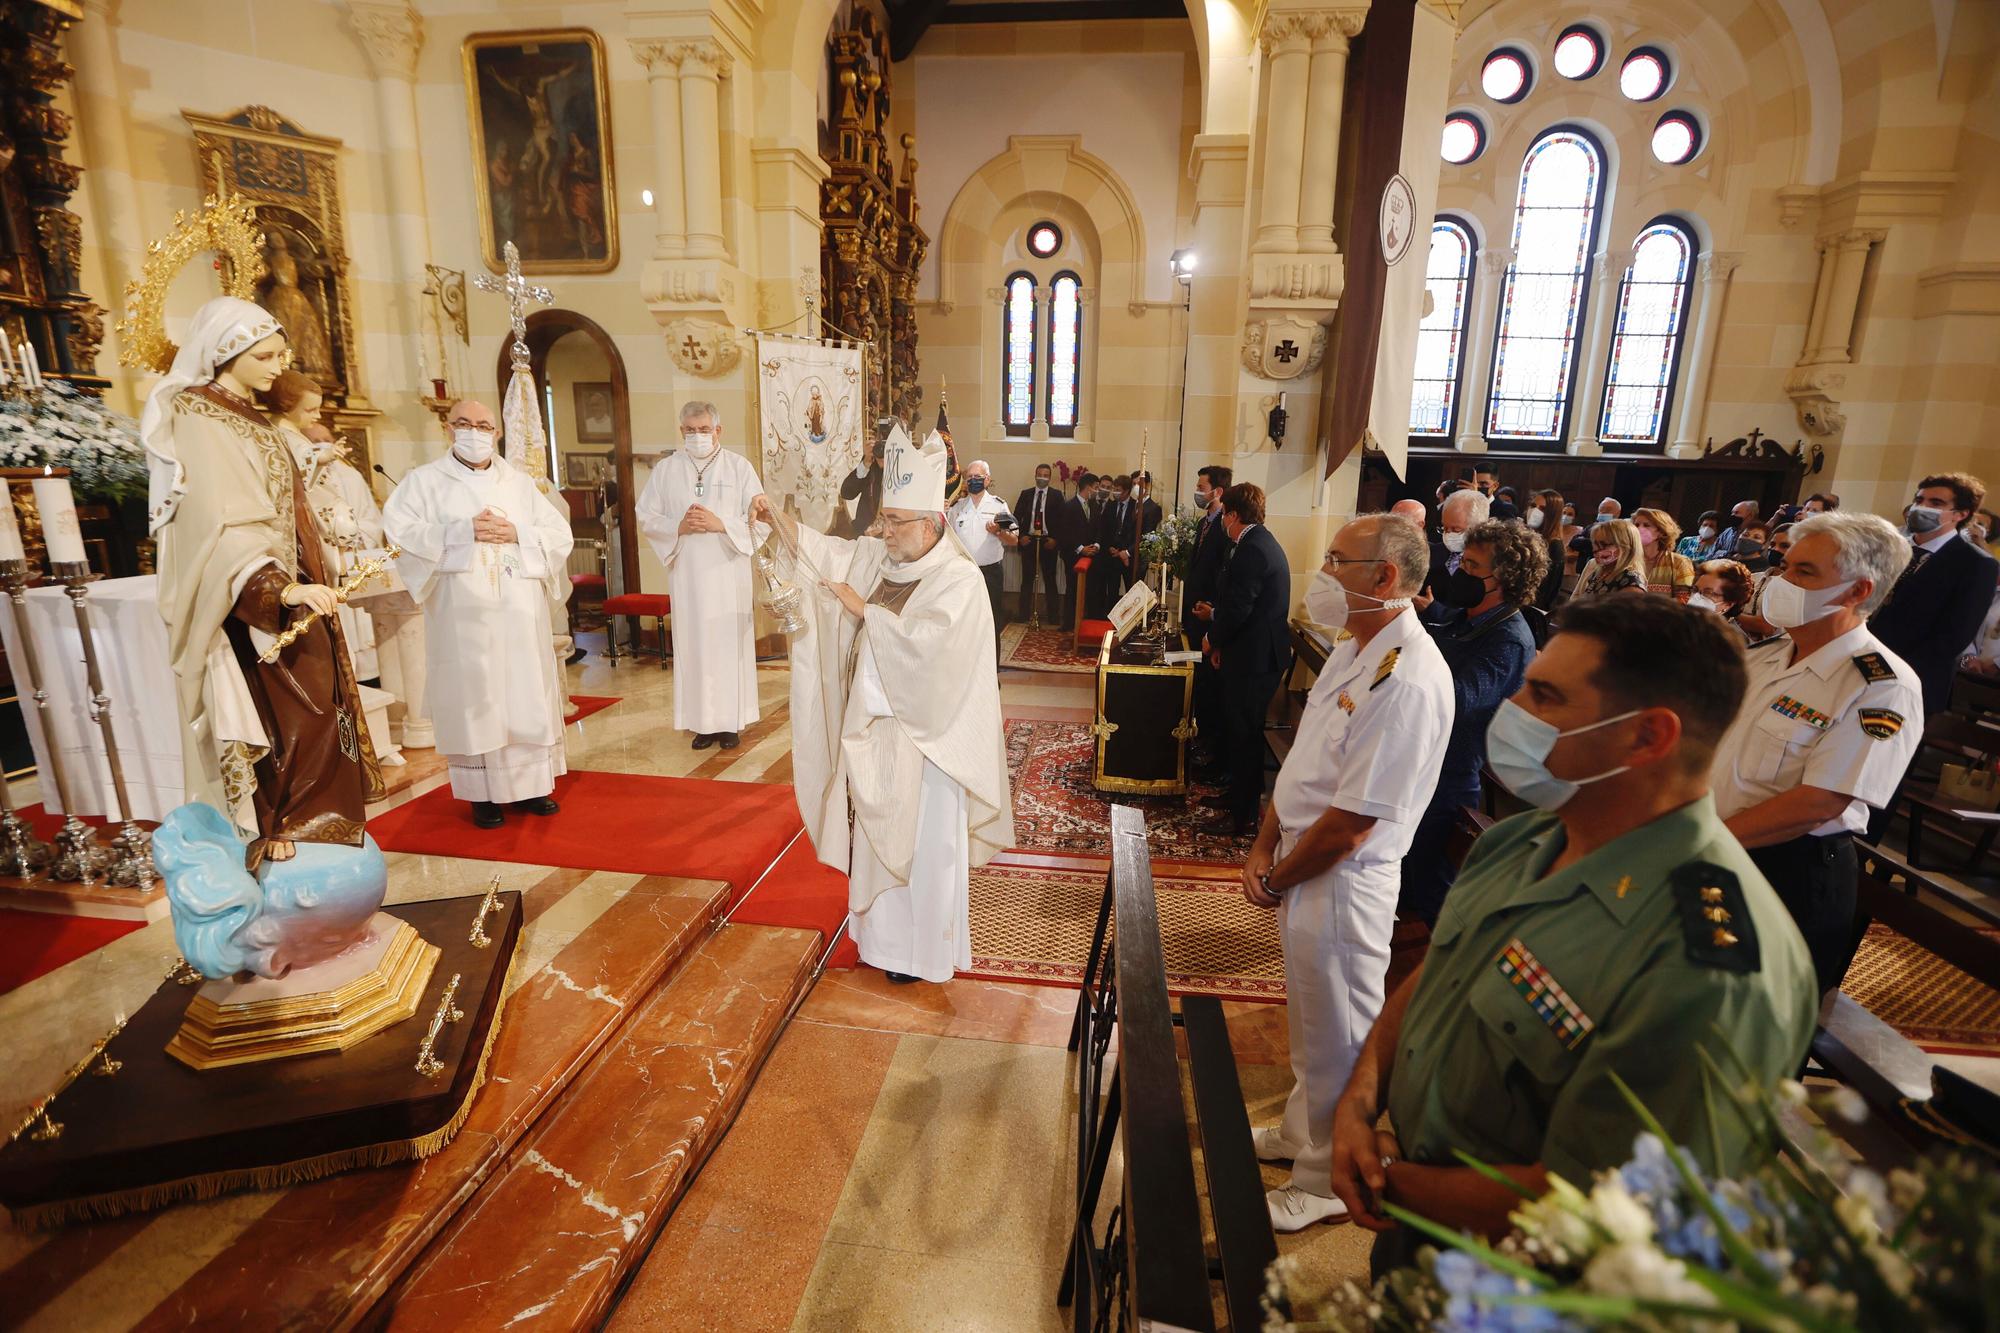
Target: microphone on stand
point(385, 472)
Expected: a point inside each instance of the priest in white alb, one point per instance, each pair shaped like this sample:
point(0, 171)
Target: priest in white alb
point(485, 553)
point(695, 511)
point(896, 718)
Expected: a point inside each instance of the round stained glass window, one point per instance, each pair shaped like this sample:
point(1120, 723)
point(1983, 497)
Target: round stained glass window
point(1644, 74)
point(1505, 76)
point(1676, 138)
point(1464, 138)
point(1044, 239)
point(1579, 53)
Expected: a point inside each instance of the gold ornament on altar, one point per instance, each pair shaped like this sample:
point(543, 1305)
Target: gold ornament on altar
point(226, 226)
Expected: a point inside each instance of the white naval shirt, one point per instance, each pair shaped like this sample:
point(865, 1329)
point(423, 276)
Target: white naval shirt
point(969, 518)
point(1370, 742)
point(1821, 722)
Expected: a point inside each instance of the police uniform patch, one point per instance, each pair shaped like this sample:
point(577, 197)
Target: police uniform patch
point(1881, 723)
point(1388, 665)
point(1715, 918)
point(1792, 708)
point(1544, 994)
point(1875, 667)
point(1346, 701)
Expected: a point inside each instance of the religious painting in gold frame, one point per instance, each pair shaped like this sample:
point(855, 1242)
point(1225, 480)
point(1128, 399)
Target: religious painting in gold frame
point(541, 141)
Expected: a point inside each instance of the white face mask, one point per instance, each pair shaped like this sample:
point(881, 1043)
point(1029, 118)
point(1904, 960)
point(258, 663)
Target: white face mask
point(1327, 601)
point(472, 444)
point(1605, 516)
point(1708, 532)
point(1454, 542)
point(1789, 606)
point(1701, 601)
point(1517, 748)
point(1535, 518)
point(1041, 483)
point(700, 443)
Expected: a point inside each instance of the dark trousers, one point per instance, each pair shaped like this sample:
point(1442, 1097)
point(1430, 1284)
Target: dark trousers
point(1427, 869)
point(1038, 557)
point(1816, 878)
point(1210, 726)
point(995, 575)
point(1245, 698)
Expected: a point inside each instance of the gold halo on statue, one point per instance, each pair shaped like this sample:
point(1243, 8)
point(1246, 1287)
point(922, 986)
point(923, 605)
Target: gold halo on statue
point(228, 228)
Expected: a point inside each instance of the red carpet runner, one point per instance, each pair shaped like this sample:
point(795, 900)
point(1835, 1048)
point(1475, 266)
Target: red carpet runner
point(40, 942)
point(586, 704)
point(800, 891)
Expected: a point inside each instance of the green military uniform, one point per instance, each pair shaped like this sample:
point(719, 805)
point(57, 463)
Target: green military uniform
point(1538, 986)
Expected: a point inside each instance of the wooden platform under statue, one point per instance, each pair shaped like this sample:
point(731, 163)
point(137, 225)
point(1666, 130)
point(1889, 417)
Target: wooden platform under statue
point(137, 1129)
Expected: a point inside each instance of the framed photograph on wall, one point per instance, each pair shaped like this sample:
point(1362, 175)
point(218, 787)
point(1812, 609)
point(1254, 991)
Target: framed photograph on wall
point(594, 418)
point(584, 471)
point(541, 138)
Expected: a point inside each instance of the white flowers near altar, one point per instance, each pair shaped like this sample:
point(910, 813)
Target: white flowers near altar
point(59, 426)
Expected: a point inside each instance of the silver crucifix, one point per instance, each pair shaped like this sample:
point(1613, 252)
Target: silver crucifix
point(518, 291)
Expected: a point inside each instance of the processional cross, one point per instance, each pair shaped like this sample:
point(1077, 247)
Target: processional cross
point(518, 291)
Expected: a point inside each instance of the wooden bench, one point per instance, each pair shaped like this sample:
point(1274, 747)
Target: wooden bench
point(1949, 738)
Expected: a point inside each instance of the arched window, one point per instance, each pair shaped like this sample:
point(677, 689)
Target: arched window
point(1646, 344)
point(1441, 337)
point(1017, 353)
point(1541, 302)
point(1065, 353)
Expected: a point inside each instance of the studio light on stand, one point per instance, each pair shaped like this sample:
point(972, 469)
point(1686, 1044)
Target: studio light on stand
point(1183, 263)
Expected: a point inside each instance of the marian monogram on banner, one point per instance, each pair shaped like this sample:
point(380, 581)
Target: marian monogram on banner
point(811, 403)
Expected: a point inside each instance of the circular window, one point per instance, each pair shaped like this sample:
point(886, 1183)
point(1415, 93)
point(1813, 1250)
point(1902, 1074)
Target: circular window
point(1044, 239)
point(1645, 74)
point(1505, 77)
point(1676, 138)
point(1464, 137)
point(1579, 52)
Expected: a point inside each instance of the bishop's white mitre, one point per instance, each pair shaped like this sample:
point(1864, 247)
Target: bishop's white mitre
point(913, 478)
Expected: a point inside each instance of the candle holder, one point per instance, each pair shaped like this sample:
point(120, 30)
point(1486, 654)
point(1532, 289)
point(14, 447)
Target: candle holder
point(130, 856)
point(22, 854)
point(75, 857)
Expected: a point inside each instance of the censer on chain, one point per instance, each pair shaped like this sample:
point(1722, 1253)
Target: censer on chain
point(776, 594)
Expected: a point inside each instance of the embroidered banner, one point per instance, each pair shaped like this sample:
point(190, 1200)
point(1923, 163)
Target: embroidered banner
point(811, 404)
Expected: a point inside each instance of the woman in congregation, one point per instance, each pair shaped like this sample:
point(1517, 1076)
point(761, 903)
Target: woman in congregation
point(1667, 571)
point(1615, 565)
point(1555, 523)
point(1723, 586)
point(1773, 558)
point(1699, 546)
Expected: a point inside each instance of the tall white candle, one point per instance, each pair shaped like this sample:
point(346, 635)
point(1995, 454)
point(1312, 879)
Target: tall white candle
point(31, 365)
point(10, 530)
point(60, 531)
point(7, 371)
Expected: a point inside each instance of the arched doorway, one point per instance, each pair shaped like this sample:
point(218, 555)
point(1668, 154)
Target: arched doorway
point(545, 329)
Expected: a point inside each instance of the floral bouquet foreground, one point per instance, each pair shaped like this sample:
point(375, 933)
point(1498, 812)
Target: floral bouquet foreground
point(59, 426)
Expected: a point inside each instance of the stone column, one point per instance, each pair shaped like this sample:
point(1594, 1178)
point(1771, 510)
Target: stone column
point(663, 82)
point(702, 65)
point(1850, 261)
point(1476, 380)
point(114, 199)
point(392, 33)
point(1327, 87)
point(1690, 407)
point(1586, 394)
point(1287, 46)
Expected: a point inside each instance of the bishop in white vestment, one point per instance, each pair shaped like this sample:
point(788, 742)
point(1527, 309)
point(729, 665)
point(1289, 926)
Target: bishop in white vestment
point(484, 553)
point(896, 718)
point(695, 511)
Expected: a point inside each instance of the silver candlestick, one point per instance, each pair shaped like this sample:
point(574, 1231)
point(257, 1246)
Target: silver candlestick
point(22, 854)
point(131, 852)
point(78, 859)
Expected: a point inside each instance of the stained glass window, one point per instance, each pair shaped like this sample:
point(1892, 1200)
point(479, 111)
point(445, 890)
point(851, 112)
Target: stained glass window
point(1541, 302)
point(1645, 346)
point(1017, 341)
point(1065, 358)
point(1441, 337)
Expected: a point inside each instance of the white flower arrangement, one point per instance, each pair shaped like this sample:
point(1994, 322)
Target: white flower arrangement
point(59, 426)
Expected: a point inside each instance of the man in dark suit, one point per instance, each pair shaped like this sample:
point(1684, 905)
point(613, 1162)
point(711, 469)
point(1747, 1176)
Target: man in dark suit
point(1040, 514)
point(1938, 604)
point(1211, 545)
point(1116, 562)
point(1149, 510)
point(1079, 523)
point(1249, 646)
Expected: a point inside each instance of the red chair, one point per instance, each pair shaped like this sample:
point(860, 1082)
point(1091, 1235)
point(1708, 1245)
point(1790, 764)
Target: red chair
point(1089, 633)
point(638, 605)
point(586, 591)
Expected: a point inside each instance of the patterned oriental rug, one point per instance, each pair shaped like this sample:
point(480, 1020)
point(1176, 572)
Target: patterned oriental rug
point(1032, 922)
point(1046, 649)
point(1923, 997)
point(1057, 810)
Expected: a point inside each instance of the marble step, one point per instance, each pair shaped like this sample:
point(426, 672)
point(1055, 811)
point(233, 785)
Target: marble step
point(320, 1255)
point(548, 1243)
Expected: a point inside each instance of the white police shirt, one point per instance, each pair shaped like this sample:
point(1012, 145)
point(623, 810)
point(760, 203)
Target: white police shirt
point(1371, 740)
point(969, 518)
point(1846, 718)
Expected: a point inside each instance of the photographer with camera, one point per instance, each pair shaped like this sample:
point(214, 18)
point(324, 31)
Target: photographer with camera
point(986, 528)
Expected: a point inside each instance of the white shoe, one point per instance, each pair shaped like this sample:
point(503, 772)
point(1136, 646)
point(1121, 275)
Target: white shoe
point(1271, 1146)
point(1294, 1209)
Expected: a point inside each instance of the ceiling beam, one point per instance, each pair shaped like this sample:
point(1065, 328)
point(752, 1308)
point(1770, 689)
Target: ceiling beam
point(909, 22)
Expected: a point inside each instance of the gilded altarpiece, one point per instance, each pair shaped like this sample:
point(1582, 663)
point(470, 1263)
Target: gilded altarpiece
point(871, 247)
point(292, 181)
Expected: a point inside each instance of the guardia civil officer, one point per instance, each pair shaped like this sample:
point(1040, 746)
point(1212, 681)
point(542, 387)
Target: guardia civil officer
point(1829, 724)
point(1329, 852)
point(1615, 929)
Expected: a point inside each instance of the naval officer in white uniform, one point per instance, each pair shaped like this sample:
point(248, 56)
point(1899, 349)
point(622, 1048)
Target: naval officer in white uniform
point(1329, 853)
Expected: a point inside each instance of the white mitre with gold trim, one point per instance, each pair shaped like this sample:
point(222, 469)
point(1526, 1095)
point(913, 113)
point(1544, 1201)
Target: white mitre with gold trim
point(913, 478)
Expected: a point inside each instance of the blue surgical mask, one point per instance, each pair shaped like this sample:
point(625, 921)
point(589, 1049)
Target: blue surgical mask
point(975, 484)
point(1517, 748)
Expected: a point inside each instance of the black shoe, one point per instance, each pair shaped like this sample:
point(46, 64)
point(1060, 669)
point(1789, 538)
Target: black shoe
point(1209, 775)
point(703, 740)
point(729, 740)
point(1231, 826)
point(901, 978)
point(539, 805)
point(1217, 802)
point(487, 815)
point(576, 656)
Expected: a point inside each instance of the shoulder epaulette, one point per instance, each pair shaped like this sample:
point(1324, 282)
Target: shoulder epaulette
point(1715, 918)
point(1388, 666)
point(1874, 667)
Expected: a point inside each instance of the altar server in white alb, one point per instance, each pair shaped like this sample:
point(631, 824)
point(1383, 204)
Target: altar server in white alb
point(896, 718)
point(1329, 855)
point(695, 511)
point(485, 552)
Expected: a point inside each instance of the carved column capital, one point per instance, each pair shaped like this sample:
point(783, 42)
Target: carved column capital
point(657, 57)
point(1613, 263)
point(391, 31)
point(1285, 33)
point(1494, 260)
point(1720, 265)
point(702, 59)
point(1860, 238)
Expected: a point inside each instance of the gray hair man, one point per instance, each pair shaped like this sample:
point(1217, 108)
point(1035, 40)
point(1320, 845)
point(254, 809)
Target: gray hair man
point(987, 529)
point(1328, 856)
point(1829, 725)
point(1461, 512)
